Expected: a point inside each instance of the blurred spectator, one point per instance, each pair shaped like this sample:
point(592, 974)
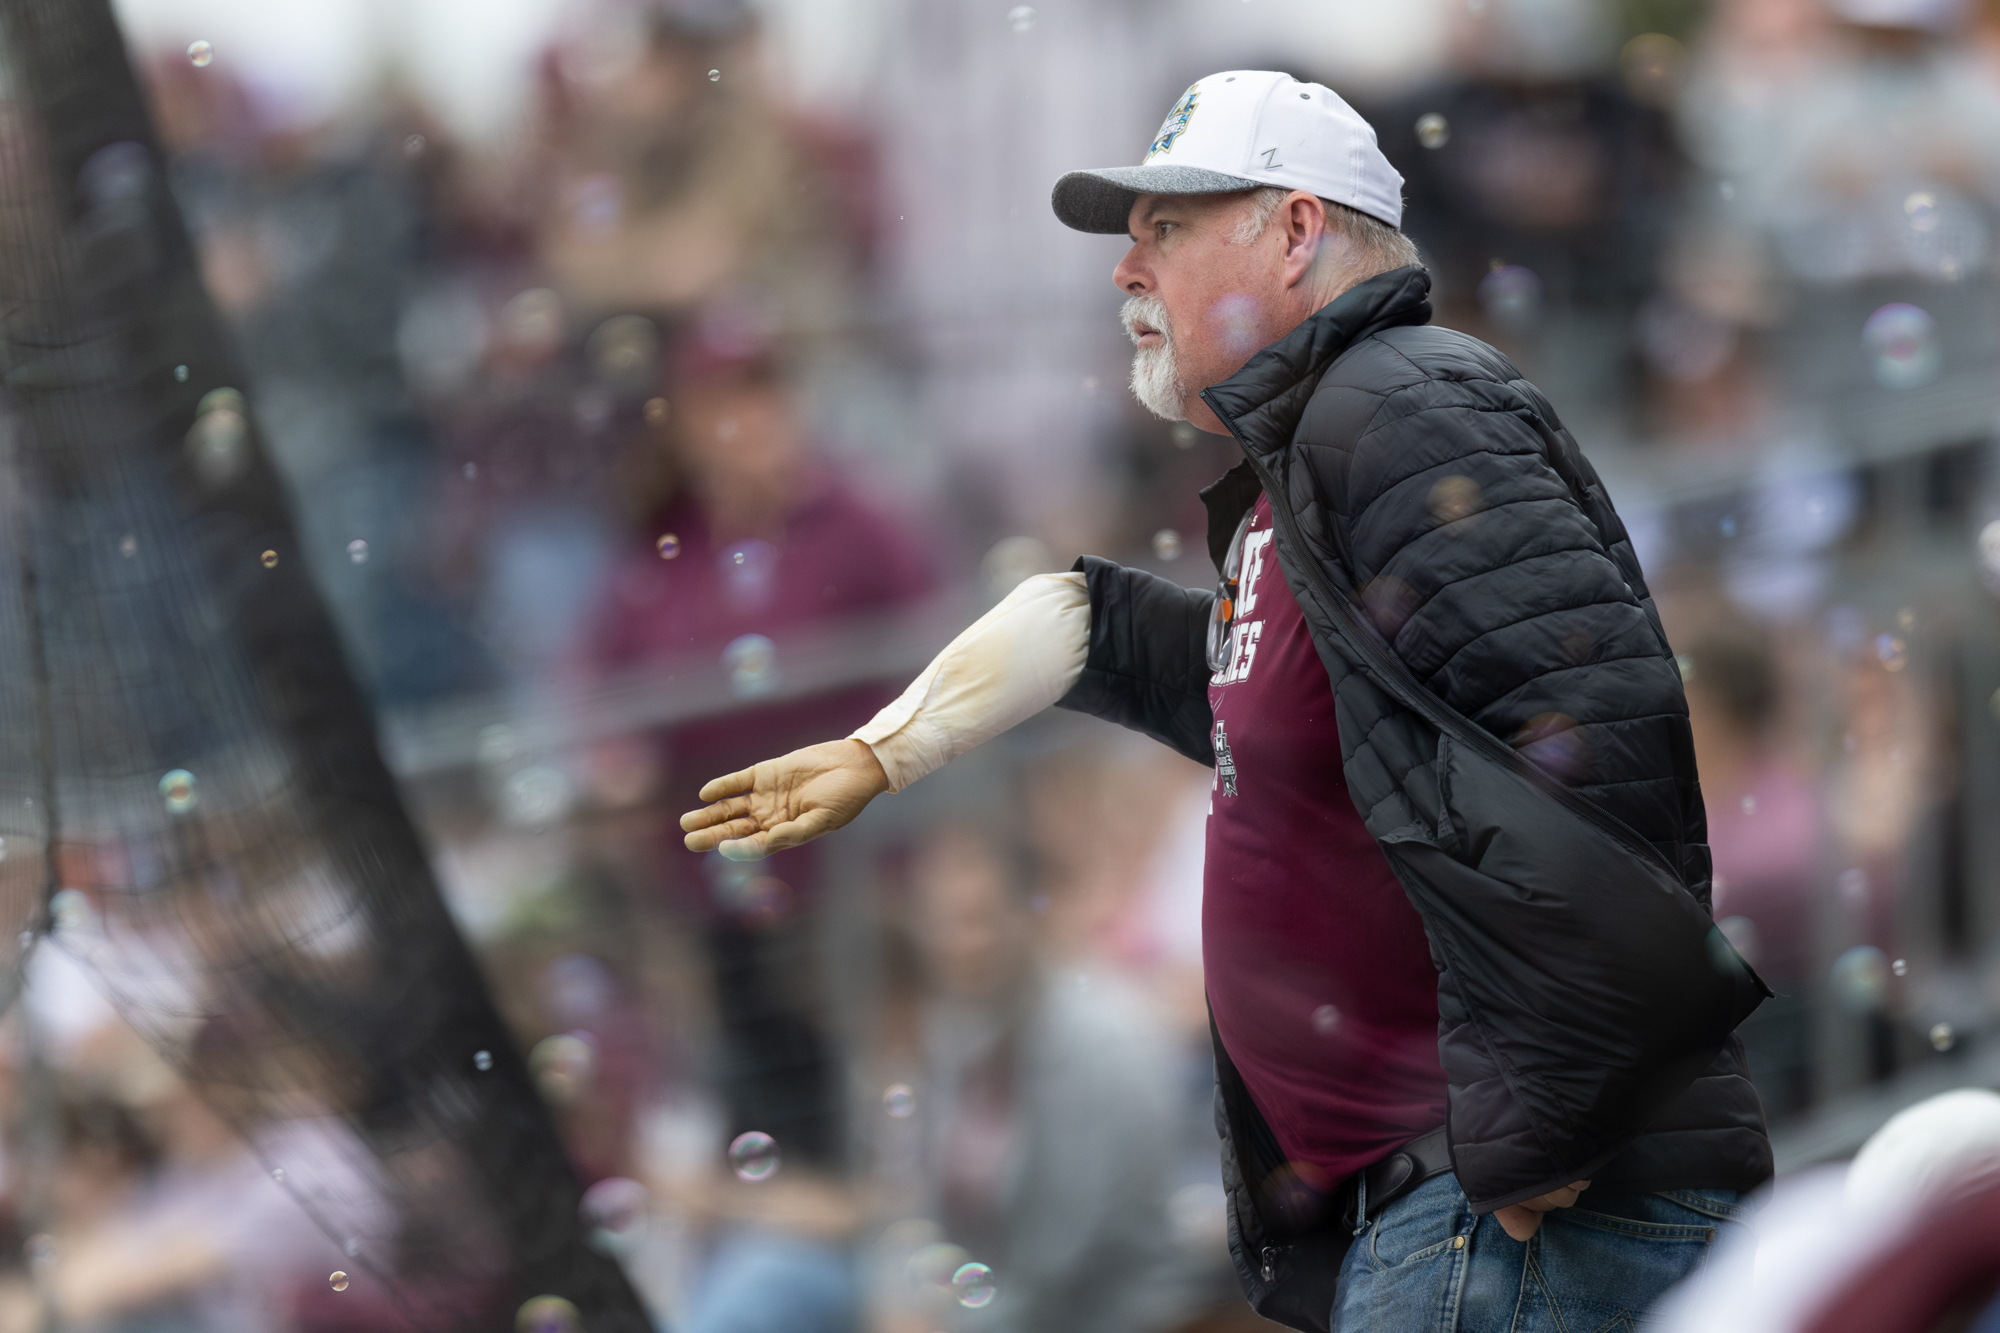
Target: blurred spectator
point(310, 237)
point(169, 1221)
point(756, 543)
point(1764, 833)
point(1864, 161)
point(1538, 189)
point(670, 177)
point(1046, 1102)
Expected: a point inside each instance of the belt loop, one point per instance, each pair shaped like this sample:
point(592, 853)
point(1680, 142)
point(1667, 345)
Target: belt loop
point(1360, 1201)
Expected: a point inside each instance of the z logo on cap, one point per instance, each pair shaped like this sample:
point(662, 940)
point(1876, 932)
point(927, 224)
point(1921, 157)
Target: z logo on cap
point(1175, 124)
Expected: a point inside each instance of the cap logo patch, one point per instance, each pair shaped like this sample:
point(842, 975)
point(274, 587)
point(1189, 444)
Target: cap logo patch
point(1175, 124)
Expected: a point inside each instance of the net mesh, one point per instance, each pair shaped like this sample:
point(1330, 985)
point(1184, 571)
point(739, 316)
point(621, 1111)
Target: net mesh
point(191, 798)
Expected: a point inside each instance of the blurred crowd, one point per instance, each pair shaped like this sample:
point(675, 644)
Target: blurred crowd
point(681, 427)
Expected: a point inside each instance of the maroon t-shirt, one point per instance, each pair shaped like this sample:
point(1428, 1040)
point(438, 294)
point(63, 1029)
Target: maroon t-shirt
point(1317, 968)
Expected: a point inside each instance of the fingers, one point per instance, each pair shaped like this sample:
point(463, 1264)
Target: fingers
point(735, 784)
point(1522, 1220)
point(708, 839)
point(1518, 1222)
point(710, 815)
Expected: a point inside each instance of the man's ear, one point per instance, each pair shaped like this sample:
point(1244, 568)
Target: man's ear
point(1304, 221)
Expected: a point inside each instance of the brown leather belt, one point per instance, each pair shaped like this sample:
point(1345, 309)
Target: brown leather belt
point(1389, 1178)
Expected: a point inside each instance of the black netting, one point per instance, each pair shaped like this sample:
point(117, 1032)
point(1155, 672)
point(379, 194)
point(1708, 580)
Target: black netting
point(191, 796)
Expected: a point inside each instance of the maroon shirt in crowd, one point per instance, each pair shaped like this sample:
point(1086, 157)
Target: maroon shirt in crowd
point(1317, 967)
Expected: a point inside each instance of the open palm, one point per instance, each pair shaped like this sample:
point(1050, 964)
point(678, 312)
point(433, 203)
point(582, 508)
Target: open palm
point(786, 801)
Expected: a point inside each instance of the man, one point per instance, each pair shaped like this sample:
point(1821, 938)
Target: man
point(1454, 984)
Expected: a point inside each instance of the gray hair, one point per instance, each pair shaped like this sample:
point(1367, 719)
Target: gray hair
point(1378, 247)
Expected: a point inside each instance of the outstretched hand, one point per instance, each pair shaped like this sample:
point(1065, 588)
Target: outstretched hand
point(786, 801)
point(1523, 1220)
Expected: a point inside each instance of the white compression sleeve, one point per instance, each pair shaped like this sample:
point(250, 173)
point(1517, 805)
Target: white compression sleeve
point(1013, 662)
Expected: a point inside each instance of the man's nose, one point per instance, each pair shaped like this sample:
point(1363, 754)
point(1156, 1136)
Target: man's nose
point(1130, 277)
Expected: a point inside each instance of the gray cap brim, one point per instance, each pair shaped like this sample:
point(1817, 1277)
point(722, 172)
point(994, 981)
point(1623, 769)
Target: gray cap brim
point(1100, 200)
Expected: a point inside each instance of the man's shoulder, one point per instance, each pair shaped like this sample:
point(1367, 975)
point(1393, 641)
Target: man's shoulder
point(1412, 354)
point(1395, 373)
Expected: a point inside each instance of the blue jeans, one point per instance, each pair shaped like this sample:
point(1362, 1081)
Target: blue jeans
point(1428, 1265)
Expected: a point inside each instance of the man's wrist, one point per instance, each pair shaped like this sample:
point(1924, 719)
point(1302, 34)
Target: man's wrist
point(870, 764)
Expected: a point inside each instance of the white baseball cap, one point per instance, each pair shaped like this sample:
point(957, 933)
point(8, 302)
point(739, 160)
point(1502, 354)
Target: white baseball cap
point(1235, 131)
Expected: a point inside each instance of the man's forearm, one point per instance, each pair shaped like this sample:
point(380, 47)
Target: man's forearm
point(1013, 662)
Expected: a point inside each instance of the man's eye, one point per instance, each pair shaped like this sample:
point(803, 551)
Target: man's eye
point(1163, 228)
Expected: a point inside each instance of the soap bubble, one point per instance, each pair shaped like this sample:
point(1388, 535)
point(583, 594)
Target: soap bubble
point(1901, 967)
point(482, 1060)
point(536, 797)
point(1433, 130)
point(562, 1064)
point(1860, 979)
point(548, 1314)
point(752, 662)
point(1167, 544)
point(415, 145)
point(668, 546)
point(1740, 933)
point(128, 546)
point(177, 789)
point(899, 1101)
point(1854, 885)
point(533, 321)
point(932, 1265)
point(1749, 804)
point(1901, 341)
point(357, 551)
point(278, 1174)
point(1011, 560)
point(1921, 209)
point(40, 1250)
point(269, 559)
point(70, 909)
point(1512, 297)
point(973, 1285)
point(337, 1280)
point(201, 53)
point(656, 411)
point(715, 76)
point(218, 442)
point(625, 350)
point(1453, 498)
point(1021, 18)
point(612, 1211)
point(1184, 435)
point(350, 1247)
point(1942, 1037)
point(180, 374)
point(1325, 1019)
point(1892, 652)
point(754, 1156)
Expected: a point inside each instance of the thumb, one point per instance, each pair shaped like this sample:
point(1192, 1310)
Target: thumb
point(1519, 1223)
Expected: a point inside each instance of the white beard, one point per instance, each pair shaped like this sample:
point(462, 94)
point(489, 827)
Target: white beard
point(1156, 373)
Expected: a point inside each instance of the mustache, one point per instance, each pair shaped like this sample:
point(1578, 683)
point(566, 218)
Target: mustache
point(1148, 310)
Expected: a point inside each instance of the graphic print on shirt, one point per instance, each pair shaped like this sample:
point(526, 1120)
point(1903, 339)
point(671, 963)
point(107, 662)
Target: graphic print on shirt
point(1245, 633)
point(1225, 763)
